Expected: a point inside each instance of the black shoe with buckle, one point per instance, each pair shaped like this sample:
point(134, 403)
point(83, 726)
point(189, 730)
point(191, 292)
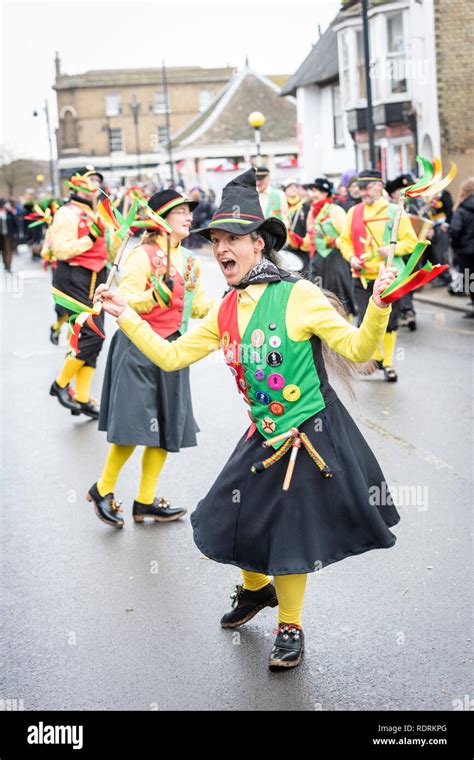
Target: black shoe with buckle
point(161, 511)
point(90, 408)
point(106, 507)
point(288, 648)
point(246, 604)
point(54, 335)
point(65, 397)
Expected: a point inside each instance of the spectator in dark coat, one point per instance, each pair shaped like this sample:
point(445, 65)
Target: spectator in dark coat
point(8, 231)
point(461, 233)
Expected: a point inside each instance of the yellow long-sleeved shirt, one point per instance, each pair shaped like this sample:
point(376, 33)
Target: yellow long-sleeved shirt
point(64, 233)
point(308, 313)
point(136, 274)
point(406, 239)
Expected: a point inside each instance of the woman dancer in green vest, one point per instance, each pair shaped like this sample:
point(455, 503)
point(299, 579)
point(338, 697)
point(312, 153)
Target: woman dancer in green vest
point(140, 404)
point(270, 513)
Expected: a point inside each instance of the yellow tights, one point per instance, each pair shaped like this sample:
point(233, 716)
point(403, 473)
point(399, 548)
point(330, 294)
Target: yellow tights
point(388, 343)
point(290, 592)
point(153, 460)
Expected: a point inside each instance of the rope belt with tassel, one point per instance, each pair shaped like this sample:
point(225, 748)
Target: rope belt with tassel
point(292, 440)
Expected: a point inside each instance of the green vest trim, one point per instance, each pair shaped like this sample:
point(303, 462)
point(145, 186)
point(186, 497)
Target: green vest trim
point(327, 228)
point(190, 279)
point(282, 379)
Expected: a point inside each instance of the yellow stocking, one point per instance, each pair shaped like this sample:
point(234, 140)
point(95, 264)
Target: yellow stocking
point(152, 463)
point(389, 340)
point(116, 459)
point(70, 367)
point(59, 322)
point(83, 383)
point(290, 592)
point(254, 581)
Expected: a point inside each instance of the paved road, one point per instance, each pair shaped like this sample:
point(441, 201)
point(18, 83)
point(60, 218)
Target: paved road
point(95, 618)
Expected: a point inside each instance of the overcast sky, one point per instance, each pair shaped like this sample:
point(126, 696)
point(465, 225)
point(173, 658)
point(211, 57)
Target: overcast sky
point(275, 34)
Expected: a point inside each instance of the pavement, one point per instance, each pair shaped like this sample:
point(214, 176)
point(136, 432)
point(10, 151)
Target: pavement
point(99, 619)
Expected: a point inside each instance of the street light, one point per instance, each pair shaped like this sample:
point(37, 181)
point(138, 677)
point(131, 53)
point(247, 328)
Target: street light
point(257, 120)
point(51, 159)
point(135, 106)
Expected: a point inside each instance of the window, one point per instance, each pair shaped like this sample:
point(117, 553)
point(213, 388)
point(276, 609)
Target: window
point(116, 140)
point(337, 116)
point(161, 104)
point(69, 130)
point(361, 84)
point(162, 135)
point(345, 68)
point(112, 105)
point(396, 53)
point(205, 99)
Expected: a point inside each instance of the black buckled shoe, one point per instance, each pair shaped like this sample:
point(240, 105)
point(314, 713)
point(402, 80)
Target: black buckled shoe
point(246, 604)
point(90, 408)
point(161, 511)
point(54, 335)
point(106, 507)
point(288, 648)
point(65, 398)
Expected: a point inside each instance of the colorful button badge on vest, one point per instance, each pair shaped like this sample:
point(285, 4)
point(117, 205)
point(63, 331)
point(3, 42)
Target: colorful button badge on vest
point(233, 371)
point(260, 374)
point(274, 358)
point(276, 381)
point(272, 326)
point(291, 393)
point(263, 397)
point(225, 339)
point(276, 408)
point(275, 341)
point(258, 338)
point(255, 356)
point(242, 384)
point(268, 425)
point(230, 355)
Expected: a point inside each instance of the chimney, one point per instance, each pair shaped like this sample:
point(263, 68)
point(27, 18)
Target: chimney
point(57, 64)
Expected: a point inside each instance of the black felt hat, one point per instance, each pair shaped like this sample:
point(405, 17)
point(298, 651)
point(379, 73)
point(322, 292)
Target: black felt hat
point(166, 200)
point(321, 183)
point(91, 171)
point(404, 180)
point(240, 213)
point(368, 175)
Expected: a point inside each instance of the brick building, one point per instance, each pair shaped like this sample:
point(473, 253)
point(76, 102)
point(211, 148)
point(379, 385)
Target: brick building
point(454, 24)
point(117, 119)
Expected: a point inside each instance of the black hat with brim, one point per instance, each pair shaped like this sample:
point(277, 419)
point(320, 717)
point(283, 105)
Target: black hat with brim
point(321, 183)
point(404, 180)
point(166, 200)
point(240, 213)
point(91, 171)
point(368, 175)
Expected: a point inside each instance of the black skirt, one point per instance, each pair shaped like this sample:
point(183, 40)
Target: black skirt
point(143, 406)
point(333, 273)
point(247, 520)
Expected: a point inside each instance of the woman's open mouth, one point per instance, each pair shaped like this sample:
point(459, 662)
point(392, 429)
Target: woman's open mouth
point(228, 265)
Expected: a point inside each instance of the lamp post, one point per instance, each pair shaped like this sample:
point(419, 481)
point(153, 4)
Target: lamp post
point(368, 84)
point(135, 106)
point(51, 158)
point(257, 120)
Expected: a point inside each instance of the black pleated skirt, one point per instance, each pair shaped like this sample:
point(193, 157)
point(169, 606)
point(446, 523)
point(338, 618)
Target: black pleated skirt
point(333, 273)
point(143, 406)
point(247, 520)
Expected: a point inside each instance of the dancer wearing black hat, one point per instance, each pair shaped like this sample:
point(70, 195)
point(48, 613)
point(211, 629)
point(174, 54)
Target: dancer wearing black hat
point(141, 405)
point(77, 239)
point(365, 244)
point(324, 224)
point(269, 512)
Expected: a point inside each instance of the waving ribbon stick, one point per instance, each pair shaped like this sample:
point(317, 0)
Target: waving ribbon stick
point(429, 184)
